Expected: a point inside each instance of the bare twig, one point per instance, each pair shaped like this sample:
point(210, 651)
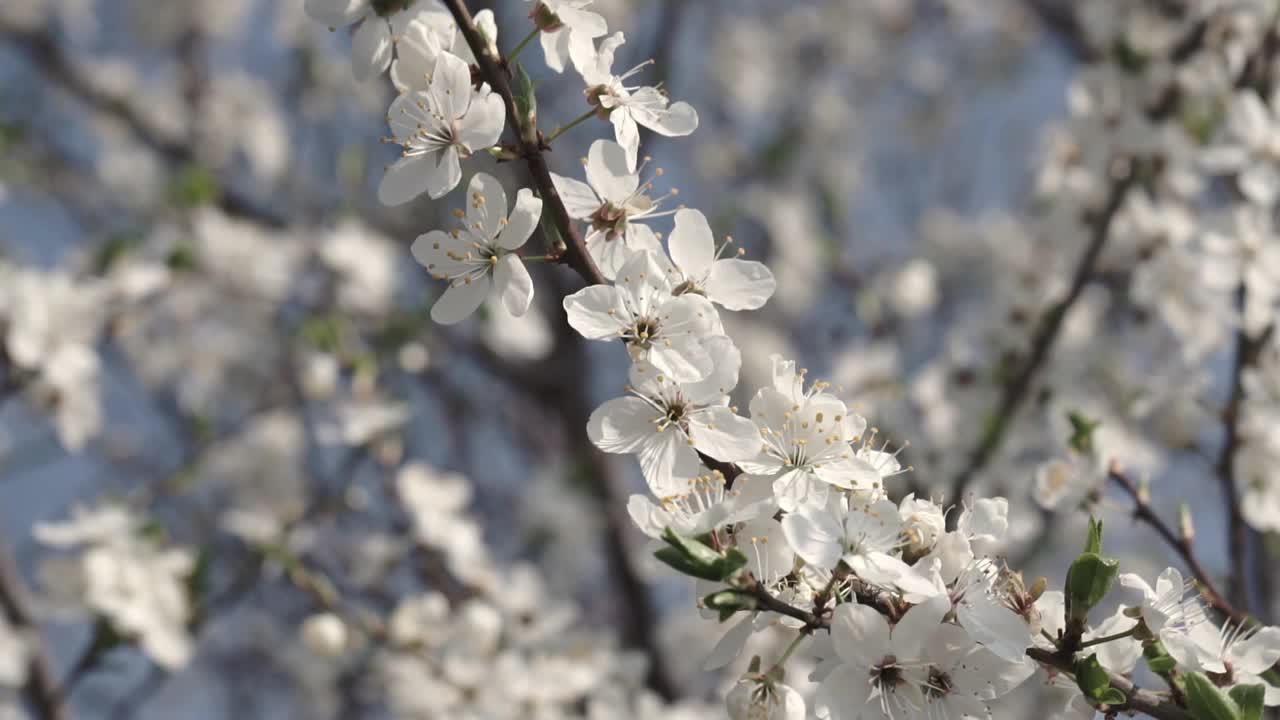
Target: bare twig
point(42, 689)
point(1143, 512)
point(1136, 699)
point(1015, 391)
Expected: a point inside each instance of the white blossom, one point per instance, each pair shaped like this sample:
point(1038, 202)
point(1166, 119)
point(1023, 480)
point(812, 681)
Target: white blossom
point(437, 128)
point(615, 203)
point(568, 31)
point(628, 107)
point(667, 423)
point(732, 283)
point(481, 255)
point(668, 331)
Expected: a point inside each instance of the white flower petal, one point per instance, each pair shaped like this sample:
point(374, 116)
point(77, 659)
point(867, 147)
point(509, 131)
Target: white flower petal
point(595, 312)
point(460, 300)
point(486, 205)
point(693, 247)
point(578, 197)
point(406, 179)
point(621, 425)
point(609, 173)
point(514, 285)
point(524, 218)
point(739, 284)
point(860, 635)
point(371, 48)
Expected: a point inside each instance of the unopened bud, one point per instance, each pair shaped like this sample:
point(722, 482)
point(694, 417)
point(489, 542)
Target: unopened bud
point(1186, 528)
point(325, 634)
point(1144, 491)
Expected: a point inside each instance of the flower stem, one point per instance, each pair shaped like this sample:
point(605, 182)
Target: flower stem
point(576, 121)
point(1109, 638)
point(539, 258)
point(786, 654)
point(519, 48)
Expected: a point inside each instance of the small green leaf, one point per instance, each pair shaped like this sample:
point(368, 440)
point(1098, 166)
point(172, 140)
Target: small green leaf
point(728, 602)
point(1089, 579)
point(1093, 679)
point(1082, 432)
point(113, 249)
point(182, 258)
point(526, 99)
point(1112, 696)
point(195, 186)
point(691, 557)
point(1206, 701)
point(1093, 541)
point(1249, 699)
point(1160, 662)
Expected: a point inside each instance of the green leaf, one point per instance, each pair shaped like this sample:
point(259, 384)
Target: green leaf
point(1160, 662)
point(182, 258)
point(1093, 541)
point(526, 99)
point(1249, 699)
point(195, 186)
point(115, 248)
point(728, 602)
point(1206, 701)
point(1089, 579)
point(691, 557)
point(1093, 679)
point(1081, 431)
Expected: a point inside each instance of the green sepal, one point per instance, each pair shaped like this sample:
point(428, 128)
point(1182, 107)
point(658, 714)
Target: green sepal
point(1093, 540)
point(1081, 432)
point(691, 557)
point(728, 602)
point(526, 99)
point(1249, 700)
point(1089, 579)
point(1206, 701)
point(1095, 682)
point(1158, 659)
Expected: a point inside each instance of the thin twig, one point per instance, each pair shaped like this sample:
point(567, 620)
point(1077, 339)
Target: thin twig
point(42, 688)
point(492, 69)
point(1143, 512)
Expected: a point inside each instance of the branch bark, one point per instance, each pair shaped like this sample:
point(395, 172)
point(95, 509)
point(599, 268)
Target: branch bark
point(1136, 698)
point(493, 71)
point(43, 690)
point(569, 356)
point(1143, 512)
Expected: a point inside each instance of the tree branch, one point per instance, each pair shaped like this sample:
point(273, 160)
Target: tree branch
point(493, 71)
point(1246, 354)
point(1136, 699)
point(1143, 512)
point(1018, 387)
point(42, 689)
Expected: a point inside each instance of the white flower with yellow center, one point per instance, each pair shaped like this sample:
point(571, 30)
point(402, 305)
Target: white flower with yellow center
point(481, 255)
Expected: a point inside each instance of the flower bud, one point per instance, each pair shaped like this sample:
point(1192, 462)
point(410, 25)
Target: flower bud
point(325, 634)
point(923, 523)
point(756, 697)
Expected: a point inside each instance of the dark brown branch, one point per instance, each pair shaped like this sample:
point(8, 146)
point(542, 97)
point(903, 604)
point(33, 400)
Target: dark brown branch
point(1015, 391)
point(1123, 177)
point(1247, 350)
point(45, 53)
point(1143, 512)
point(42, 688)
point(492, 70)
point(1136, 699)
